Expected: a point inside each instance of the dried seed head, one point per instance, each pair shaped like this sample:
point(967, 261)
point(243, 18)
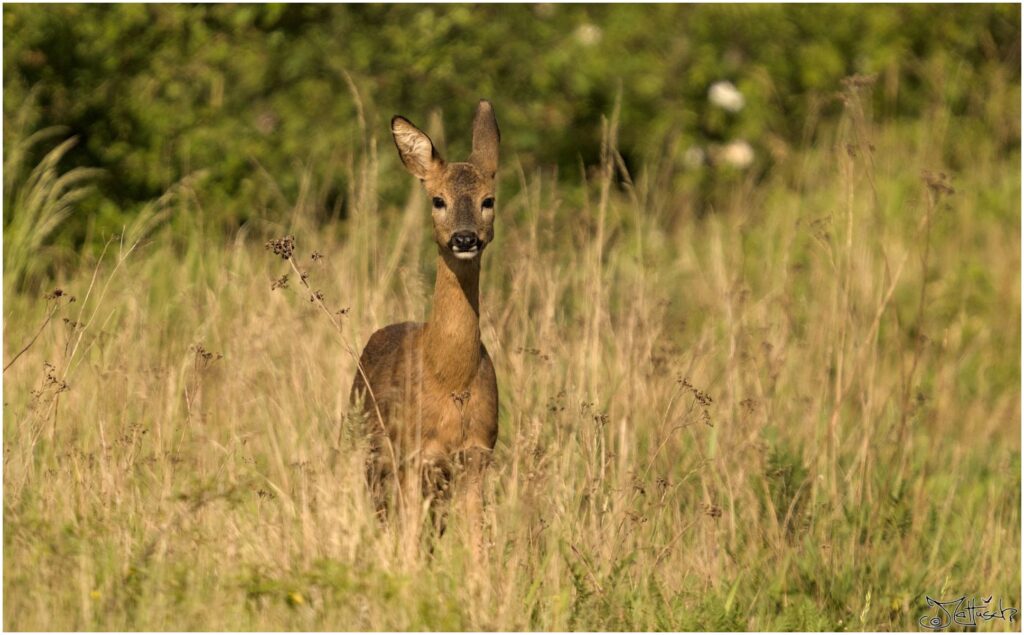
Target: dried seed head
point(937, 182)
point(280, 283)
point(58, 294)
point(857, 81)
point(204, 357)
point(50, 380)
point(701, 397)
point(283, 247)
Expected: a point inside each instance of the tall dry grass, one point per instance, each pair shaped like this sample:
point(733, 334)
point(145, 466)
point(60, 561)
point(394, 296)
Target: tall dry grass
point(798, 412)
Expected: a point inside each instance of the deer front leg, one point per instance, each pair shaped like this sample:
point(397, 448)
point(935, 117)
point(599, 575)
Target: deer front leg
point(437, 486)
point(410, 506)
point(379, 473)
point(474, 467)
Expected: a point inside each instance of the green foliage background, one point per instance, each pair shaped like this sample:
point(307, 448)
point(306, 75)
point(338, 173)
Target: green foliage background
point(158, 92)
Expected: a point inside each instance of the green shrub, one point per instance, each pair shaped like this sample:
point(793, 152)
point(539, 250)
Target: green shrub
point(157, 92)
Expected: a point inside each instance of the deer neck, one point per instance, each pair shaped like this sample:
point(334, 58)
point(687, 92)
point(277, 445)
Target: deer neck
point(452, 334)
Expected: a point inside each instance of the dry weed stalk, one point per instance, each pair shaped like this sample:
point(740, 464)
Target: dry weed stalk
point(54, 300)
point(284, 247)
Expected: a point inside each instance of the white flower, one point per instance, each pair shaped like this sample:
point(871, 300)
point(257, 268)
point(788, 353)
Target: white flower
point(694, 157)
point(588, 34)
point(738, 154)
point(724, 95)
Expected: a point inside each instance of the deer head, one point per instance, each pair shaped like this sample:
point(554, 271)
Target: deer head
point(462, 194)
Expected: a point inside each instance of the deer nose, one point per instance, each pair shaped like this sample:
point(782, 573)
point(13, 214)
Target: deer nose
point(464, 241)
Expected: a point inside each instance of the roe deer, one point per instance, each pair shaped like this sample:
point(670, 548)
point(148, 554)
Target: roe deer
point(432, 402)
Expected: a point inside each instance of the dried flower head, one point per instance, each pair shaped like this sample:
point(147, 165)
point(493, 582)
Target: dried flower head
point(937, 182)
point(700, 397)
point(280, 283)
point(59, 294)
point(204, 357)
point(858, 81)
point(283, 247)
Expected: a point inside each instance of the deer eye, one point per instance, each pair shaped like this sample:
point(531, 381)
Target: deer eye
point(438, 202)
point(488, 202)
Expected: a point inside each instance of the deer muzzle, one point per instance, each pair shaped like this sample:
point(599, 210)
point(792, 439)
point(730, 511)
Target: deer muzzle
point(465, 245)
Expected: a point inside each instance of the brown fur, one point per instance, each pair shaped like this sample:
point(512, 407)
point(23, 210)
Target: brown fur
point(433, 384)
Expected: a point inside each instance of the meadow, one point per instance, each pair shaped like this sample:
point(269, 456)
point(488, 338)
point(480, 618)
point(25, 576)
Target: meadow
point(798, 410)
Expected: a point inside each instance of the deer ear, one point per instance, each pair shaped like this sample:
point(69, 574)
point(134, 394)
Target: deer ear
point(415, 148)
point(485, 139)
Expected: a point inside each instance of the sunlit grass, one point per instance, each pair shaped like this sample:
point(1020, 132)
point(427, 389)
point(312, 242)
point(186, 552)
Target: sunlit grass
point(798, 412)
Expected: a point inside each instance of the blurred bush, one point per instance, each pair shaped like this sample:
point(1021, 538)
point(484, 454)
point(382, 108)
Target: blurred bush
point(157, 92)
